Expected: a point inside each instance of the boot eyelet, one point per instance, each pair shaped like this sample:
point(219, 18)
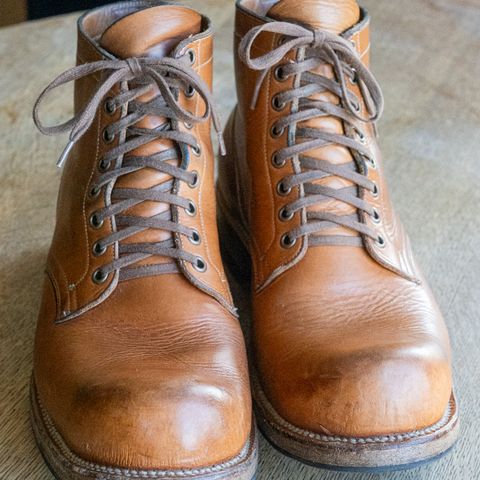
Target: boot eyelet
point(191, 209)
point(380, 241)
point(362, 138)
point(279, 74)
point(284, 215)
point(189, 92)
point(276, 132)
point(375, 191)
point(99, 276)
point(282, 40)
point(376, 216)
point(287, 241)
point(98, 249)
point(195, 238)
point(200, 265)
point(107, 136)
point(276, 162)
point(196, 180)
point(191, 55)
point(370, 161)
point(354, 78)
point(95, 222)
point(188, 125)
point(277, 104)
point(282, 190)
point(197, 150)
point(109, 106)
point(103, 165)
point(94, 192)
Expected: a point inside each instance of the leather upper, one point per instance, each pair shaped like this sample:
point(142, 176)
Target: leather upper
point(149, 372)
point(71, 262)
point(348, 340)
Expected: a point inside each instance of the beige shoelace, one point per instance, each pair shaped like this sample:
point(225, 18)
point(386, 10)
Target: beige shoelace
point(320, 48)
point(169, 75)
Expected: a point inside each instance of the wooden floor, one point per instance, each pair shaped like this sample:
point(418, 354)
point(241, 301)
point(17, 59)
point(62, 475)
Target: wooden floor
point(426, 56)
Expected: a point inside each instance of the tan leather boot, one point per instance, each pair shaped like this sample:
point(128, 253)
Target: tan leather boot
point(352, 357)
point(140, 366)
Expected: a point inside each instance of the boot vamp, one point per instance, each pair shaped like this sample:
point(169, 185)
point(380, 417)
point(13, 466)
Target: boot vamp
point(346, 347)
point(153, 378)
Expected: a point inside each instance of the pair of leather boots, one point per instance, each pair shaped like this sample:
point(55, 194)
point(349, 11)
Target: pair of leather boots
point(140, 364)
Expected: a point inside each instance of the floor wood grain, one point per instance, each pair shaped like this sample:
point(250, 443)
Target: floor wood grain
point(425, 54)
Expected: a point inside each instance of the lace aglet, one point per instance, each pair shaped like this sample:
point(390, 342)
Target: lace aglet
point(66, 152)
point(221, 142)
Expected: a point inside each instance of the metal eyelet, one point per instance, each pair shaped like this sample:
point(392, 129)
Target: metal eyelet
point(188, 125)
point(103, 165)
point(277, 104)
point(191, 209)
point(276, 132)
point(196, 180)
point(189, 92)
point(287, 241)
point(276, 162)
point(99, 276)
point(98, 249)
point(109, 106)
point(279, 74)
point(191, 55)
point(362, 138)
point(107, 136)
point(380, 241)
point(354, 78)
point(376, 191)
point(197, 150)
point(376, 216)
point(284, 215)
point(357, 107)
point(282, 190)
point(282, 40)
point(200, 265)
point(95, 222)
point(195, 238)
point(94, 192)
point(370, 161)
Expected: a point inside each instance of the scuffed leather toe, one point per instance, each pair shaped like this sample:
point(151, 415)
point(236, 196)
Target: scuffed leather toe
point(153, 390)
point(379, 368)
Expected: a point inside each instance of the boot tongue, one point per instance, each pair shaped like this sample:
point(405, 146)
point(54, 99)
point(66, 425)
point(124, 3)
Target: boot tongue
point(334, 16)
point(153, 32)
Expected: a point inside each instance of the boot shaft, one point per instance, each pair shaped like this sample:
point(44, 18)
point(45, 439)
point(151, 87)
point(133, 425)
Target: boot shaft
point(167, 213)
point(257, 134)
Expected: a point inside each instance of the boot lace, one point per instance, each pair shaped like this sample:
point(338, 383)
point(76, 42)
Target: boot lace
point(169, 75)
point(320, 48)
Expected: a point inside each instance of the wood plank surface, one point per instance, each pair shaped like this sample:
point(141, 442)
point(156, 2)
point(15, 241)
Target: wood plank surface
point(426, 56)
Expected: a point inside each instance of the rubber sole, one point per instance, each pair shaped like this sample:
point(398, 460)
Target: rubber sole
point(66, 465)
point(396, 451)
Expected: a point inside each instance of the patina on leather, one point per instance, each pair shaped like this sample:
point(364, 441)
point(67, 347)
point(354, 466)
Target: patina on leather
point(142, 371)
point(348, 339)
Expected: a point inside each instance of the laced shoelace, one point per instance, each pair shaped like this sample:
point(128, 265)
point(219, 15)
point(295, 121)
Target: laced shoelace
point(320, 48)
point(169, 75)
